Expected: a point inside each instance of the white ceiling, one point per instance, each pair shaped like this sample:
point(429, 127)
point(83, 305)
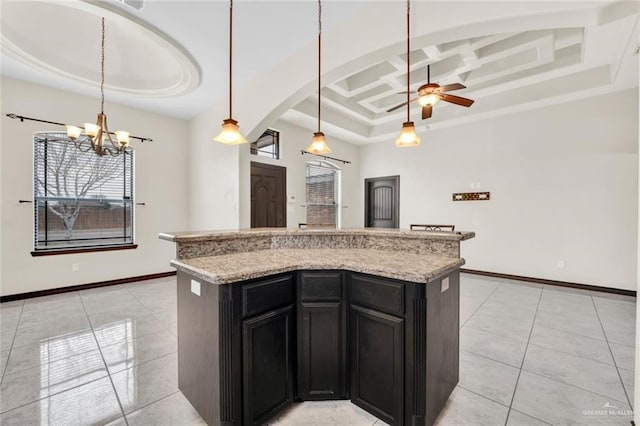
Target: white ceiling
point(171, 56)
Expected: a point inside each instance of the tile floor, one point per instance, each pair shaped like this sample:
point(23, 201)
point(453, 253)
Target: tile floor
point(530, 355)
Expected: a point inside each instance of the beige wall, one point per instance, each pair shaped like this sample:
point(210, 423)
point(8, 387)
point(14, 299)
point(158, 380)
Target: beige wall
point(562, 181)
point(161, 181)
point(293, 139)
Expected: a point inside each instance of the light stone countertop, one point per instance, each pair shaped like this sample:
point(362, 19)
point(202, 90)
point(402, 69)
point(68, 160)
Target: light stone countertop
point(229, 268)
point(193, 236)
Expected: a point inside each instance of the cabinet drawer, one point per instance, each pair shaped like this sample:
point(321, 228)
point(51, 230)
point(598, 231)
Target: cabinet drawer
point(265, 295)
point(320, 286)
point(377, 293)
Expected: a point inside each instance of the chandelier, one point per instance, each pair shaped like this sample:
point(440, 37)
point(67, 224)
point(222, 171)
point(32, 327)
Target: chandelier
point(230, 134)
point(319, 143)
point(408, 135)
point(97, 136)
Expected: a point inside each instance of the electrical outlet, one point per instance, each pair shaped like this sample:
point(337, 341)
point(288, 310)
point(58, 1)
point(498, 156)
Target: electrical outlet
point(75, 267)
point(195, 287)
point(561, 264)
point(444, 285)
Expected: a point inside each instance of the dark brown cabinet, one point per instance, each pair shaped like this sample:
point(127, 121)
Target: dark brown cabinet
point(377, 363)
point(322, 349)
point(267, 364)
point(246, 350)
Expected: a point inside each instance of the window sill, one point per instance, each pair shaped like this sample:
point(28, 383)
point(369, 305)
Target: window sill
point(53, 252)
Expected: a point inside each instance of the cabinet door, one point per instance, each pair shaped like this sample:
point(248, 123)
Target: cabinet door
point(377, 359)
point(321, 352)
point(267, 364)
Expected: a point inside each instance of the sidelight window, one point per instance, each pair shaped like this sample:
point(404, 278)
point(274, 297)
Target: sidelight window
point(323, 194)
point(81, 200)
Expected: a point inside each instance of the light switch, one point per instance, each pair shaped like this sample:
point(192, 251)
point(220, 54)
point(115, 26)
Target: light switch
point(444, 285)
point(195, 287)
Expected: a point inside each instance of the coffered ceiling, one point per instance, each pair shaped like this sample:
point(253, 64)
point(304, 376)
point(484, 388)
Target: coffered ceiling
point(503, 72)
point(169, 56)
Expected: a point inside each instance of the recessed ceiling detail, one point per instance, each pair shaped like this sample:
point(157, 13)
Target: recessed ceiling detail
point(140, 60)
point(503, 72)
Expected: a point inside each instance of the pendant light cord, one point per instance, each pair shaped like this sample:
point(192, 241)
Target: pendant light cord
point(319, 57)
point(230, 57)
point(408, 61)
point(102, 72)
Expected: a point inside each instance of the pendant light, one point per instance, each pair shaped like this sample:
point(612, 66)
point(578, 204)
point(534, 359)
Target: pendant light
point(319, 143)
point(230, 134)
point(408, 135)
point(97, 136)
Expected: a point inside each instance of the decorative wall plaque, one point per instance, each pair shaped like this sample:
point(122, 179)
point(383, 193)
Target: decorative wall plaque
point(472, 196)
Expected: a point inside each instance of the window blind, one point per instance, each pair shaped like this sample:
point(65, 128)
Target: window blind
point(81, 199)
point(321, 188)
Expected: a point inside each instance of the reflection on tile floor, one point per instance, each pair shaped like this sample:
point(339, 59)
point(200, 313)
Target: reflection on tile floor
point(530, 355)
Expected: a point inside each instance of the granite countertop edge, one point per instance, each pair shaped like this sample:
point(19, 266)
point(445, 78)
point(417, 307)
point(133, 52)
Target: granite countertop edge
point(196, 236)
point(423, 277)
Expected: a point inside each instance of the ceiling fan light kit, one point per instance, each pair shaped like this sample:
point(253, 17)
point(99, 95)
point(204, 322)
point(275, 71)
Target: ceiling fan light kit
point(97, 136)
point(230, 134)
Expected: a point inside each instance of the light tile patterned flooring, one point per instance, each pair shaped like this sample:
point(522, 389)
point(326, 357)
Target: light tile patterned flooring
point(530, 355)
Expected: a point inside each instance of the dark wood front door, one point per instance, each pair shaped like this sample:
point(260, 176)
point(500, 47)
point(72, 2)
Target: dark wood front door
point(382, 202)
point(268, 195)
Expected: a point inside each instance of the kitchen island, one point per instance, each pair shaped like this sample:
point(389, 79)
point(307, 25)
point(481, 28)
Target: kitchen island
point(269, 316)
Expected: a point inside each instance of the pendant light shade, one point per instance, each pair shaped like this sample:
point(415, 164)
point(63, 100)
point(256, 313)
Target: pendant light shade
point(230, 134)
point(319, 143)
point(408, 136)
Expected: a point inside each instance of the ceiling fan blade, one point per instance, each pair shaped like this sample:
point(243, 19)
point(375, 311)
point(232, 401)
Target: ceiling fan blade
point(450, 87)
point(400, 106)
point(456, 100)
point(402, 93)
point(426, 112)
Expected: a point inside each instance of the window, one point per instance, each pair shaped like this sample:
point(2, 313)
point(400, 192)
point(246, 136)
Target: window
point(323, 194)
point(267, 145)
point(81, 200)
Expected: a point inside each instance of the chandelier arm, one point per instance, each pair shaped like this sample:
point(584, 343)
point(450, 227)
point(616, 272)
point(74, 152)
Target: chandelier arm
point(22, 118)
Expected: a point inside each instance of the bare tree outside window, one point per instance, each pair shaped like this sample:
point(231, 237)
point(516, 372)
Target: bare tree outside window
point(70, 184)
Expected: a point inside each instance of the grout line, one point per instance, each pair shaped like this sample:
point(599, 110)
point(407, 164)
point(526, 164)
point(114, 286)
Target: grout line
point(483, 396)
point(503, 404)
point(529, 415)
point(157, 400)
point(489, 358)
point(124, 416)
point(482, 304)
point(624, 389)
point(533, 323)
point(13, 340)
point(573, 386)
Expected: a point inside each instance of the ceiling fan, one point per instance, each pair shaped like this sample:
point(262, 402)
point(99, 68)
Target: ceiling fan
point(431, 93)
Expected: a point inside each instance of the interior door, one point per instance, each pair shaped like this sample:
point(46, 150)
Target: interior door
point(268, 195)
point(382, 202)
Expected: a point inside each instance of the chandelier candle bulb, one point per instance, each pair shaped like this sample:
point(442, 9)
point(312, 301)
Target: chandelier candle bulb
point(123, 137)
point(73, 132)
point(91, 129)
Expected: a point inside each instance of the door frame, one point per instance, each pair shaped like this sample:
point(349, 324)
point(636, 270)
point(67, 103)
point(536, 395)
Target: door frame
point(283, 207)
point(396, 198)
